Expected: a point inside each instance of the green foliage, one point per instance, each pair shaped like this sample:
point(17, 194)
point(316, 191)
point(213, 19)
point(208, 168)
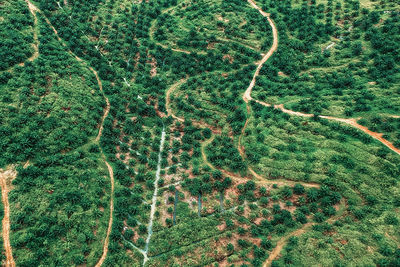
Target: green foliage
point(222, 152)
point(16, 34)
point(182, 234)
point(51, 109)
point(68, 189)
point(322, 75)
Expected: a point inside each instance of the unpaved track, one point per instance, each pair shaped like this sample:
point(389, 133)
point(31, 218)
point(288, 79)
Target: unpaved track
point(247, 95)
point(110, 221)
point(353, 122)
point(32, 7)
point(283, 241)
point(107, 109)
point(168, 100)
point(35, 45)
point(108, 106)
point(281, 182)
point(377, 136)
point(394, 116)
point(6, 176)
point(259, 179)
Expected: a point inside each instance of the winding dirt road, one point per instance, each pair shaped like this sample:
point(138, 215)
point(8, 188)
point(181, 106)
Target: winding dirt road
point(35, 45)
point(247, 95)
point(110, 221)
point(108, 106)
point(353, 122)
point(6, 176)
point(33, 8)
point(259, 179)
point(168, 100)
point(283, 241)
point(378, 136)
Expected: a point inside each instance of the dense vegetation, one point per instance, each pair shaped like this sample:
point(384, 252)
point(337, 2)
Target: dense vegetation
point(388, 125)
point(199, 177)
point(15, 33)
point(243, 222)
point(201, 24)
point(334, 58)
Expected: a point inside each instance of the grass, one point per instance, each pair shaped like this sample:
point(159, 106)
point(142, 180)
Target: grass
point(303, 149)
point(382, 5)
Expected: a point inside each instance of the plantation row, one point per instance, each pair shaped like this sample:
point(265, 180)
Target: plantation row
point(218, 200)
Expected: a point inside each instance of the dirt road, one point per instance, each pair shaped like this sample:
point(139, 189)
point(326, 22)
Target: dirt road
point(168, 100)
point(110, 221)
point(247, 95)
point(108, 106)
point(283, 241)
point(32, 7)
point(6, 176)
point(35, 45)
point(261, 181)
point(377, 136)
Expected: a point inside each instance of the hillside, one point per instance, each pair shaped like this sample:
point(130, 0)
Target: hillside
point(200, 133)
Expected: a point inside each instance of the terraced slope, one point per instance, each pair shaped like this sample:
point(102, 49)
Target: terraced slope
point(200, 133)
